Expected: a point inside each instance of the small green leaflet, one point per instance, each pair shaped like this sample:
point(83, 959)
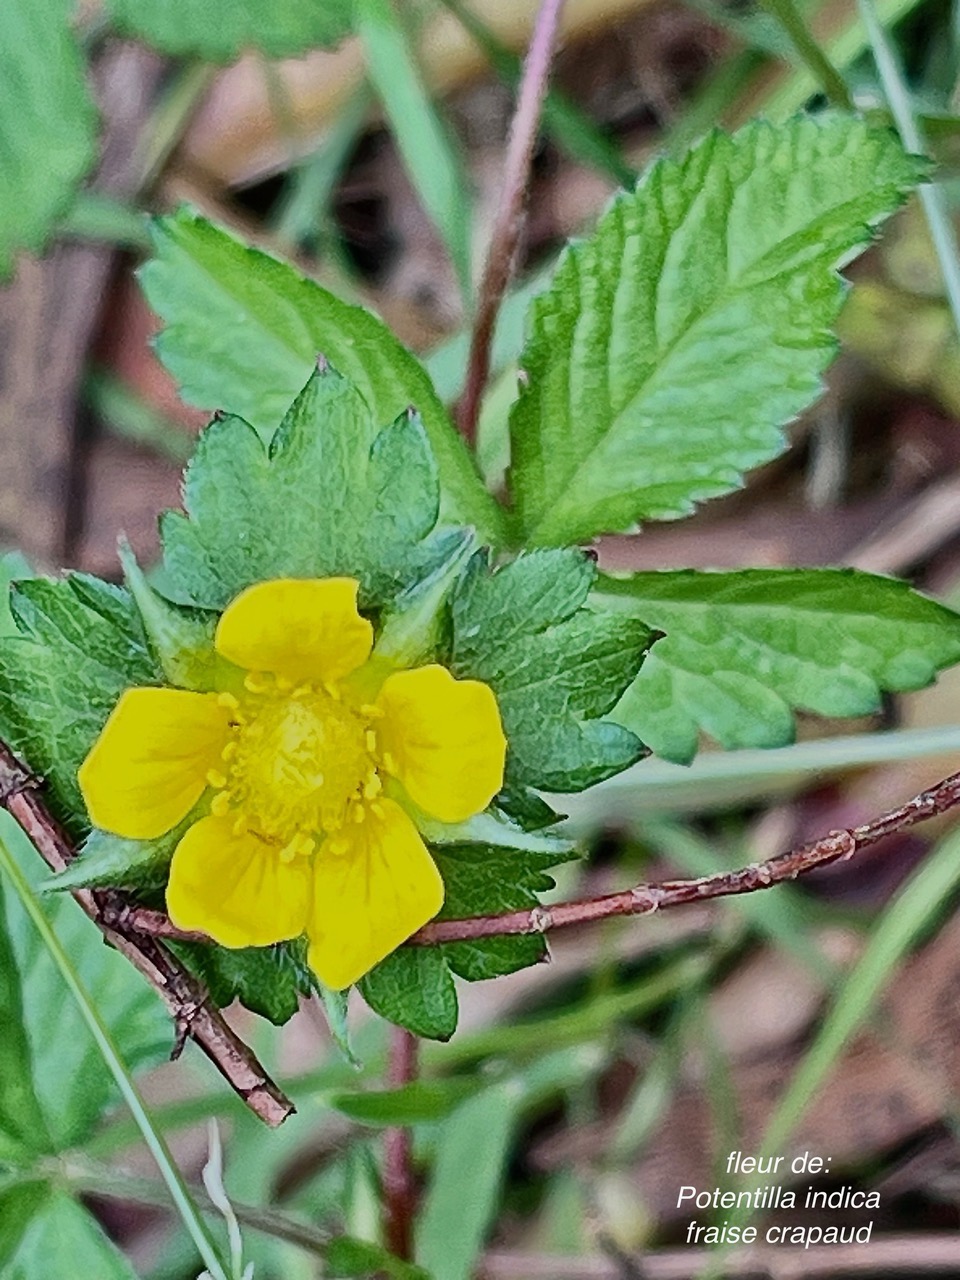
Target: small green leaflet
point(555, 666)
point(243, 330)
point(676, 341)
point(414, 986)
point(219, 32)
point(744, 649)
point(80, 645)
point(266, 980)
point(47, 121)
point(333, 494)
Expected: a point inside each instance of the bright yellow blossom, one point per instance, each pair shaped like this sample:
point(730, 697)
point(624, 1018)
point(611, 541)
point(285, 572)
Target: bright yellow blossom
point(307, 767)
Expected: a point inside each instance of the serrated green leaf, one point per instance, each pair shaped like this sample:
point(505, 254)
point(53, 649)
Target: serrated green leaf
point(743, 650)
point(554, 666)
point(80, 644)
point(45, 1232)
point(66, 1068)
point(483, 881)
point(414, 989)
point(243, 330)
point(220, 32)
point(676, 340)
point(333, 494)
point(47, 122)
point(109, 861)
point(267, 980)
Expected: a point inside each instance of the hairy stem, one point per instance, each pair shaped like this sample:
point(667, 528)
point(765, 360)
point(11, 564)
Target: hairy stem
point(643, 899)
point(399, 1184)
point(509, 220)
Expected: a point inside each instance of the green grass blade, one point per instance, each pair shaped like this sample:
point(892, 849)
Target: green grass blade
point(908, 126)
point(572, 130)
point(426, 145)
point(821, 68)
point(155, 1143)
point(906, 919)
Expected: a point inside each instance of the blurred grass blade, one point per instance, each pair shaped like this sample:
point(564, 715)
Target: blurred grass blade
point(821, 68)
point(103, 1038)
point(721, 779)
point(907, 918)
point(931, 197)
point(132, 418)
point(572, 130)
point(464, 1190)
point(426, 145)
point(101, 218)
point(304, 217)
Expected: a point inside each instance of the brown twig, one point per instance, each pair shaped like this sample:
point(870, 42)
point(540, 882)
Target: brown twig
point(644, 899)
point(399, 1184)
point(181, 993)
point(509, 220)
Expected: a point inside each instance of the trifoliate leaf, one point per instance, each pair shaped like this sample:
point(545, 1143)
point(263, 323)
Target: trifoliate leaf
point(414, 989)
point(219, 32)
point(332, 494)
point(243, 330)
point(554, 666)
point(47, 121)
point(676, 340)
point(267, 980)
point(80, 645)
point(482, 881)
point(744, 649)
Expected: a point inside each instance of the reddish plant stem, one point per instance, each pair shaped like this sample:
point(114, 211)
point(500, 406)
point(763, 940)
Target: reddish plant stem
point(399, 1183)
point(646, 898)
point(184, 997)
point(509, 220)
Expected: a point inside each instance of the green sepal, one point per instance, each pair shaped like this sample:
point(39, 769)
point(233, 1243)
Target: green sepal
point(494, 829)
point(80, 644)
point(555, 666)
point(412, 627)
point(266, 980)
point(527, 809)
point(106, 861)
point(485, 881)
point(332, 494)
point(413, 988)
point(180, 637)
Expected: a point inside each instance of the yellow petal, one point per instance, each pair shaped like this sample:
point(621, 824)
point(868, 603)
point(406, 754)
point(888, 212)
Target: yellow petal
point(301, 628)
point(443, 739)
point(148, 768)
point(236, 888)
point(370, 897)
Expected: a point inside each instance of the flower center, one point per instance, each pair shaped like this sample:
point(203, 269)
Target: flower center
point(299, 761)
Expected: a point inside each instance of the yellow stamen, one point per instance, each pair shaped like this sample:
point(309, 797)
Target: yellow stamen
point(389, 763)
point(371, 740)
point(216, 779)
point(227, 700)
point(372, 787)
point(220, 804)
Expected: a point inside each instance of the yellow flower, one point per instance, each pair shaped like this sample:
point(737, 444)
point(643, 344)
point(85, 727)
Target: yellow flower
point(310, 763)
